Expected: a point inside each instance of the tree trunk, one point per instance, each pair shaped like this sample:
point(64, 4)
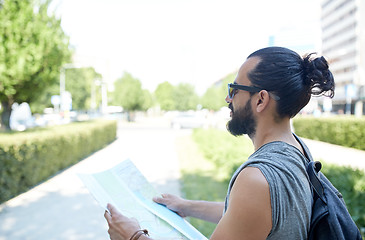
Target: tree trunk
point(5, 115)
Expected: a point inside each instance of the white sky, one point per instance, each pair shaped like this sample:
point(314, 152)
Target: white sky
point(193, 41)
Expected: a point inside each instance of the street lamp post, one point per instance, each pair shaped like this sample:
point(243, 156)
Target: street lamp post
point(62, 82)
point(104, 97)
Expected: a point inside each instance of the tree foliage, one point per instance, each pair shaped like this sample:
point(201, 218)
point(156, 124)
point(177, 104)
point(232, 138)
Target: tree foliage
point(185, 97)
point(181, 97)
point(129, 94)
point(44, 99)
point(33, 48)
point(82, 83)
point(164, 95)
point(214, 97)
point(148, 100)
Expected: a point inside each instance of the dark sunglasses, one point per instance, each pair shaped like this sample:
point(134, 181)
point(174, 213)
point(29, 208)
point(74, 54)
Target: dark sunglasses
point(233, 87)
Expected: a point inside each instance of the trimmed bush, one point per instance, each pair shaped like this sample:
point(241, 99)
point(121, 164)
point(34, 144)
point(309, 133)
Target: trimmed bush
point(351, 183)
point(28, 158)
point(340, 130)
point(222, 149)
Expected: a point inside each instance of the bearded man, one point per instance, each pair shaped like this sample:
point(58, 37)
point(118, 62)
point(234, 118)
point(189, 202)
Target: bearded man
point(269, 196)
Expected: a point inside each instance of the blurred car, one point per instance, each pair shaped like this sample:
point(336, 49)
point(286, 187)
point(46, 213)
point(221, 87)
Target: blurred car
point(188, 120)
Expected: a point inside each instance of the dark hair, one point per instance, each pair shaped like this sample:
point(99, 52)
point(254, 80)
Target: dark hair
point(293, 78)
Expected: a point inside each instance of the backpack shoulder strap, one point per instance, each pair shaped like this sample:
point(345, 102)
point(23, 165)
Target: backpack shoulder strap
point(313, 170)
point(305, 148)
point(314, 175)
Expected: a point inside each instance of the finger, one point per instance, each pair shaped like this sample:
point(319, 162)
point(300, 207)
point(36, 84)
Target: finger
point(107, 216)
point(159, 200)
point(166, 195)
point(113, 212)
point(111, 208)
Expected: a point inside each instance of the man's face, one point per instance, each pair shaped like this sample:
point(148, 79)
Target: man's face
point(243, 119)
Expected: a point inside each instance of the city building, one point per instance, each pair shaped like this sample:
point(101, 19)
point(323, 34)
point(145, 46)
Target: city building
point(343, 44)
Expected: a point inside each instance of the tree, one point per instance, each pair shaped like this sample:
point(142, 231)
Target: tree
point(44, 100)
point(185, 97)
point(164, 96)
point(128, 93)
point(214, 97)
point(80, 82)
point(33, 48)
point(147, 100)
point(181, 97)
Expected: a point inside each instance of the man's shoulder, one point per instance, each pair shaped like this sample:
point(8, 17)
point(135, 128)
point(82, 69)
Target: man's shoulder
point(251, 177)
point(249, 209)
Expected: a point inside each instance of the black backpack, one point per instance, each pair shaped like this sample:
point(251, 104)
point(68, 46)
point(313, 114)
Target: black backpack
point(330, 218)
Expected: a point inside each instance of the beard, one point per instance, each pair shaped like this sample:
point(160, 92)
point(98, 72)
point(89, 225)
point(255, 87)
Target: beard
point(243, 121)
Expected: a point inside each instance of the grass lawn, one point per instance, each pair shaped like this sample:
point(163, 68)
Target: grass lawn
point(199, 180)
point(202, 178)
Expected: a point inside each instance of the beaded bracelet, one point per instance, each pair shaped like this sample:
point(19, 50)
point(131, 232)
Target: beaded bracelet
point(139, 233)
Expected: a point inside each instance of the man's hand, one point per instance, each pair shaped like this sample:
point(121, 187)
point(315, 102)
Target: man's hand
point(172, 202)
point(120, 226)
point(205, 210)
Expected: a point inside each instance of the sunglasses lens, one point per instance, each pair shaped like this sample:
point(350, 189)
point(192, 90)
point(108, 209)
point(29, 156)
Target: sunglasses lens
point(231, 92)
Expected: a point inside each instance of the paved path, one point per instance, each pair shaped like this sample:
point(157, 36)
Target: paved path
point(62, 208)
point(336, 154)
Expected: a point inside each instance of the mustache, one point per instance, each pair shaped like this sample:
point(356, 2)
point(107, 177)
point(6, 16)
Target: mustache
point(230, 106)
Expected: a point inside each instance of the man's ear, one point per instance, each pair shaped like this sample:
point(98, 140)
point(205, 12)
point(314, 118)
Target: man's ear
point(262, 100)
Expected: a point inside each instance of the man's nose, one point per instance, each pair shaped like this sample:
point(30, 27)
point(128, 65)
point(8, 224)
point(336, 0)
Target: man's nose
point(228, 99)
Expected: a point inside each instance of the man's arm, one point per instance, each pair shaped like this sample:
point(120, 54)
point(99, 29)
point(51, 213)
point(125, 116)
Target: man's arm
point(248, 215)
point(249, 211)
point(122, 227)
point(208, 211)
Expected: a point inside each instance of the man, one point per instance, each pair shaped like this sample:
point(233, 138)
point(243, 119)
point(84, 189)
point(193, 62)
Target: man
point(269, 195)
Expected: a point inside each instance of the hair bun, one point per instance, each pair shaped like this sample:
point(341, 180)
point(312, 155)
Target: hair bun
point(318, 76)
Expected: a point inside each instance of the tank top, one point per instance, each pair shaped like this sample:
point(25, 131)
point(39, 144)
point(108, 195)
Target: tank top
point(284, 168)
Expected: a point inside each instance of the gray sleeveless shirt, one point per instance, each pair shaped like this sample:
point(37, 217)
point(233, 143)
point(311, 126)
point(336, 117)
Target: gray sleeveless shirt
point(284, 168)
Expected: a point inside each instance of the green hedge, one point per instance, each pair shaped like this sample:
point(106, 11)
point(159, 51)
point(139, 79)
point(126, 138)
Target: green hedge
point(28, 158)
point(351, 183)
point(222, 149)
point(340, 130)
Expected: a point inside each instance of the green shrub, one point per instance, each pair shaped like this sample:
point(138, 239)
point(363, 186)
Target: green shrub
point(351, 183)
point(28, 158)
point(345, 131)
point(222, 149)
